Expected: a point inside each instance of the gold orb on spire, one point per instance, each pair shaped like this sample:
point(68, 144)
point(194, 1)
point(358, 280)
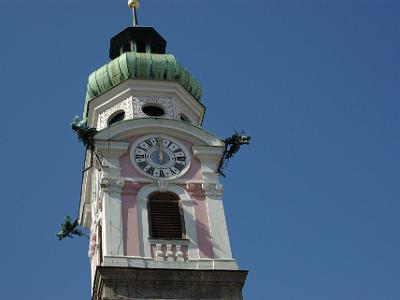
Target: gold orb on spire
point(133, 3)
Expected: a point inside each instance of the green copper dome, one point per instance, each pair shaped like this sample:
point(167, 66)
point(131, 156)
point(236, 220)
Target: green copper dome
point(134, 65)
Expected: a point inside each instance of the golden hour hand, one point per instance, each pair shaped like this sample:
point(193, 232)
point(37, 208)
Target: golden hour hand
point(160, 152)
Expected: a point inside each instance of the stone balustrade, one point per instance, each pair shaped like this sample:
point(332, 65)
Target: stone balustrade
point(173, 251)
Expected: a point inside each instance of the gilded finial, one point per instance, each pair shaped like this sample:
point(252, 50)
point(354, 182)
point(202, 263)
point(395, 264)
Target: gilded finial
point(134, 5)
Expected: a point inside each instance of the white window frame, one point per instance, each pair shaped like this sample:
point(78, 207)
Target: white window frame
point(188, 215)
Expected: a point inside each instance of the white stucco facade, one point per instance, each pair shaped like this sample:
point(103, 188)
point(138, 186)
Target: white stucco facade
point(115, 195)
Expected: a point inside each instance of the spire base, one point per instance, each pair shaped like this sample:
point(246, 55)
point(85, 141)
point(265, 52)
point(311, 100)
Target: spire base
point(145, 283)
point(137, 39)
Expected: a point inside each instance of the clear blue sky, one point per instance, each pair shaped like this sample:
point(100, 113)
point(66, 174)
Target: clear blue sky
point(312, 205)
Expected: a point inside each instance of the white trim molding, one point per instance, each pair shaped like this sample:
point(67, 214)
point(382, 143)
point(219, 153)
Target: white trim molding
point(210, 158)
point(188, 212)
point(141, 262)
point(111, 185)
point(216, 215)
point(112, 216)
point(110, 151)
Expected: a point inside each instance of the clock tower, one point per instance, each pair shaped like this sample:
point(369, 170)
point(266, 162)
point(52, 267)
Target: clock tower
point(151, 193)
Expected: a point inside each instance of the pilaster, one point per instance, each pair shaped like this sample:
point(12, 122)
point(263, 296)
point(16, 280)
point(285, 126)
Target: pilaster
point(111, 183)
point(213, 189)
point(209, 156)
point(112, 216)
point(216, 214)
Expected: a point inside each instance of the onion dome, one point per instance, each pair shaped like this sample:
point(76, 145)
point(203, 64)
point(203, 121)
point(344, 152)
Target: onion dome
point(139, 53)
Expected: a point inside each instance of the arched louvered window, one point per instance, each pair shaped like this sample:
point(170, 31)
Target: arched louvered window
point(116, 117)
point(166, 217)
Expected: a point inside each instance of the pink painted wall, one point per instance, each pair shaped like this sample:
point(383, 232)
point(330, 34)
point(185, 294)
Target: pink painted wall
point(201, 217)
point(129, 213)
point(129, 219)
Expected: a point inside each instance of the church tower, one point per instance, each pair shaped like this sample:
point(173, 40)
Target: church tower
point(151, 192)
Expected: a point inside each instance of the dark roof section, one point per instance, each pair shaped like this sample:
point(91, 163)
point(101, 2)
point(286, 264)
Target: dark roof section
point(143, 39)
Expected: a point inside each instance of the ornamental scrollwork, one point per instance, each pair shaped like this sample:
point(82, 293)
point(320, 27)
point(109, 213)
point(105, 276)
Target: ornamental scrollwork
point(125, 106)
point(166, 103)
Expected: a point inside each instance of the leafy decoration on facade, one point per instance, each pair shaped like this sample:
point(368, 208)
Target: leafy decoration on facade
point(232, 146)
point(84, 133)
point(69, 229)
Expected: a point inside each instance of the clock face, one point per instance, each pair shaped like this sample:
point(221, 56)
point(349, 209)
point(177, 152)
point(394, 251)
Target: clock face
point(160, 157)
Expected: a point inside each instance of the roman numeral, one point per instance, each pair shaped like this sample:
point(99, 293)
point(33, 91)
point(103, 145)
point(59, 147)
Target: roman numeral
point(180, 167)
point(144, 145)
point(140, 151)
point(142, 164)
point(166, 143)
point(173, 147)
point(167, 172)
point(156, 173)
point(150, 171)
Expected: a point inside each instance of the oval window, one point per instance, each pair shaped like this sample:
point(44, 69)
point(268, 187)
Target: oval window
point(119, 116)
point(153, 110)
point(184, 118)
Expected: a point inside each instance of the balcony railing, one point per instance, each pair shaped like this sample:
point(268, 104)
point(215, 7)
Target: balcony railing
point(170, 250)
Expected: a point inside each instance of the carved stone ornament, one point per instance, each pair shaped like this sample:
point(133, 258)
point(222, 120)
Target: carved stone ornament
point(170, 251)
point(213, 189)
point(125, 106)
point(109, 183)
point(166, 103)
point(162, 185)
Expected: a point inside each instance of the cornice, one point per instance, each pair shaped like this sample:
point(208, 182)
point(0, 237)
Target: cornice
point(133, 65)
point(111, 148)
point(125, 129)
point(142, 88)
point(202, 152)
point(112, 184)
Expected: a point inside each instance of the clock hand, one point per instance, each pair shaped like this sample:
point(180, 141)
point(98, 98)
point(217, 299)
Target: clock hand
point(160, 152)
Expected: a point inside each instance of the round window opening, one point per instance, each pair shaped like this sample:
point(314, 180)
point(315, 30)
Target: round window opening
point(153, 110)
point(184, 118)
point(119, 116)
